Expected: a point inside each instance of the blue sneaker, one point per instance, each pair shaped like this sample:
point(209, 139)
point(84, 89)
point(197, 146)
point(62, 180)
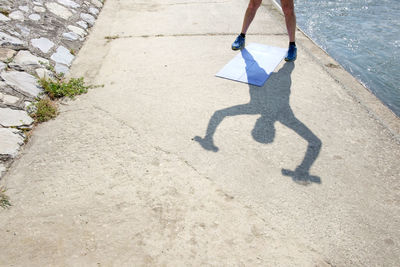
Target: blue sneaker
point(292, 53)
point(238, 43)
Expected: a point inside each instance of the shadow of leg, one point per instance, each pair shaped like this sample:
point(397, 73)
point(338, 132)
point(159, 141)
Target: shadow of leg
point(208, 141)
point(301, 173)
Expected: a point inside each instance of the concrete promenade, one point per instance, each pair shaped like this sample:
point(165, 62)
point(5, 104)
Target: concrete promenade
point(306, 172)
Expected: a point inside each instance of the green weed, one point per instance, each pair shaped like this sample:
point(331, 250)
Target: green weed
point(4, 200)
point(45, 110)
point(61, 88)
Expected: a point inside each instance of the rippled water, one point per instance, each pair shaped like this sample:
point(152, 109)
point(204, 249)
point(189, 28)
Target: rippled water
point(363, 36)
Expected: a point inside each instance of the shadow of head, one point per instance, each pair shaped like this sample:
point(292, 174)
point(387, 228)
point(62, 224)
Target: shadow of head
point(272, 100)
point(264, 130)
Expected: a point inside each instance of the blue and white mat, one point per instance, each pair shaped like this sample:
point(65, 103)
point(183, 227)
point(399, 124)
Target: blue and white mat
point(254, 64)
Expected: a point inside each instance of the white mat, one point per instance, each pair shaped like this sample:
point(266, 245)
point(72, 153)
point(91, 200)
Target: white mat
point(254, 64)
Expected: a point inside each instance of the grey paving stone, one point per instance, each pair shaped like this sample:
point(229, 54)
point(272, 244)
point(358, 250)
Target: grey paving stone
point(62, 56)
point(71, 36)
point(2, 66)
point(24, 8)
point(59, 10)
point(34, 17)
point(8, 99)
point(81, 32)
point(24, 30)
point(61, 68)
point(4, 18)
point(94, 11)
point(6, 53)
point(2, 169)
point(44, 73)
point(17, 15)
point(83, 24)
point(97, 3)
point(68, 3)
point(10, 144)
point(43, 44)
point(9, 41)
point(22, 82)
point(39, 9)
point(14, 118)
point(24, 59)
point(88, 18)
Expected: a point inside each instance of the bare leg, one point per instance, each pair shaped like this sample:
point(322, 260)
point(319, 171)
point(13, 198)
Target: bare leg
point(290, 18)
point(250, 14)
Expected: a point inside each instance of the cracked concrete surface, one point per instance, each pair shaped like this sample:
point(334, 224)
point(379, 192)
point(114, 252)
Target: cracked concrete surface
point(117, 179)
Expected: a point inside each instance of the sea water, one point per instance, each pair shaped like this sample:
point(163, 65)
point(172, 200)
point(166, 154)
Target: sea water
point(363, 36)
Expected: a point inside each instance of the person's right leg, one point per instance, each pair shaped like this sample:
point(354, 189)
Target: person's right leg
point(248, 18)
point(250, 14)
point(290, 19)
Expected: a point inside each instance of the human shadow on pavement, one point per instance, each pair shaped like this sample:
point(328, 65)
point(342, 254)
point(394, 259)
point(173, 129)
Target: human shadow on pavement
point(271, 101)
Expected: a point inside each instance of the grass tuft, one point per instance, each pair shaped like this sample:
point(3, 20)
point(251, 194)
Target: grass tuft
point(111, 37)
point(5, 12)
point(45, 110)
point(4, 200)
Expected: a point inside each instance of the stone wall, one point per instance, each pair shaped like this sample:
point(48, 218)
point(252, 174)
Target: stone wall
point(33, 35)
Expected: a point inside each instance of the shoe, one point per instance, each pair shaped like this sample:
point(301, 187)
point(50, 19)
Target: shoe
point(292, 53)
point(238, 43)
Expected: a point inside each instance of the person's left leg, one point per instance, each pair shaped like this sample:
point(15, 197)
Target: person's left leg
point(290, 19)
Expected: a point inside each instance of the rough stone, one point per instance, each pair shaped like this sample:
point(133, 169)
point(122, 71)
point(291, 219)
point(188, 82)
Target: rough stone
point(43, 44)
point(63, 56)
point(88, 18)
point(44, 73)
point(6, 53)
point(97, 3)
point(39, 9)
point(34, 17)
point(24, 59)
point(10, 41)
point(14, 118)
point(59, 10)
point(14, 33)
point(94, 11)
point(17, 15)
point(61, 68)
point(68, 3)
point(24, 30)
point(3, 85)
point(8, 99)
point(23, 82)
point(81, 32)
point(38, 26)
point(83, 24)
point(10, 144)
point(71, 36)
point(24, 8)
point(4, 18)
point(2, 169)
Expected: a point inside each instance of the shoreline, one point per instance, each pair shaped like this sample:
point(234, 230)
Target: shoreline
point(355, 88)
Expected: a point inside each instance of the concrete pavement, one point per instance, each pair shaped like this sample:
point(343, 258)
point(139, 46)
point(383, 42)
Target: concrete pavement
point(306, 172)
